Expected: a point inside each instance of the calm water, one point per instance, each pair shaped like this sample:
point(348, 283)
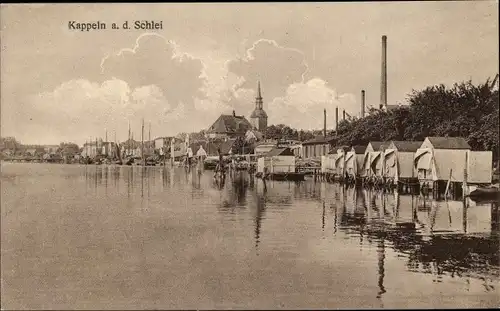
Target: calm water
point(95, 237)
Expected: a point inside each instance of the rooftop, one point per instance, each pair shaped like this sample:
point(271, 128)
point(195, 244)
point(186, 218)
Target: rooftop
point(407, 146)
point(320, 140)
point(230, 124)
point(280, 152)
point(449, 142)
point(377, 145)
point(359, 149)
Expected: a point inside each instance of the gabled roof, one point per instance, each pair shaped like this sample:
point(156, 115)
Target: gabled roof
point(320, 140)
point(358, 149)
point(378, 145)
point(449, 142)
point(280, 152)
point(407, 146)
point(230, 124)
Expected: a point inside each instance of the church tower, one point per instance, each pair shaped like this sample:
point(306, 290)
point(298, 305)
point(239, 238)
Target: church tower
point(258, 118)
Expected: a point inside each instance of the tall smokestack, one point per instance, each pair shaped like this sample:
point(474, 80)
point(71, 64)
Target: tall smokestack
point(324, 123)
point(336, 118)
point(383, 82)
point(362, 103)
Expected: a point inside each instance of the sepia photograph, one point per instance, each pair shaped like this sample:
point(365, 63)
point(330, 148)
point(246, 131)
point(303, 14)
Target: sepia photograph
point(326, 155)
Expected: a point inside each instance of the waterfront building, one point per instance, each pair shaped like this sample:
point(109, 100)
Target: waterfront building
point(51, 149)
point(92, 149)
point(317, 147)
point(162, 144)
point(437, 156)
point(354, 160)
point(372, 152)
point(228, 127)
point(328, 163)
point(340, 159)
point(449, 159)
point(398, 160)
point(278, 160)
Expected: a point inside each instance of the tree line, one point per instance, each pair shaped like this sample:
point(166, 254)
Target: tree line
point(463, 110)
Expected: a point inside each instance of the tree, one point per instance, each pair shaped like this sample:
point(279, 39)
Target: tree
point(9, 143)
point(240, 146)
point(69, 149)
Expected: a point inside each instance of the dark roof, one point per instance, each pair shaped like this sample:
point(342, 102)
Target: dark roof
point(320, 140)
point(230, 124)
point(258, 113)
point(280, 152)
point(358, 149)
point(377, 145)
point(407, 146)
point(449, 142)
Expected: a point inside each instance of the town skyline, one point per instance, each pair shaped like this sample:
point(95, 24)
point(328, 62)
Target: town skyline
point(62, 85)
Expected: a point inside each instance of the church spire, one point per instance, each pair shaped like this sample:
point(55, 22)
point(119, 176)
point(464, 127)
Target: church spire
point(258, 99)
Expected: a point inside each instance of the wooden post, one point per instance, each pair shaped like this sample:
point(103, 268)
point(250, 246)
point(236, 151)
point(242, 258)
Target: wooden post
point(464, 185)
point(447, 186)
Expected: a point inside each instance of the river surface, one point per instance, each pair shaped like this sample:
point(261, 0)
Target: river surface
point(97, 237)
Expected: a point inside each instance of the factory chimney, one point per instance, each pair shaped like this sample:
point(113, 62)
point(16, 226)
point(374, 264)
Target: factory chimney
point(336, 119)
point(362, 103)
point(324, 123)
point(383, 82)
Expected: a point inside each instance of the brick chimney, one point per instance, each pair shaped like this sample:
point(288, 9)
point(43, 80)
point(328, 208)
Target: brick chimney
point(362, 103)
point(383, 82)
point(324, 123)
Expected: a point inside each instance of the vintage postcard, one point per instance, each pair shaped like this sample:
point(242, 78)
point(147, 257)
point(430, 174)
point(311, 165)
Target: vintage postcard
point(249, 155)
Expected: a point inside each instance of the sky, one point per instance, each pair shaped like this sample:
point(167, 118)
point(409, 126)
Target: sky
point(59, 84)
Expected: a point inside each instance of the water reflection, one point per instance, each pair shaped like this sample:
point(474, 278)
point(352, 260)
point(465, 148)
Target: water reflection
point(454, 236)
point(322, 239)
point(260, 209)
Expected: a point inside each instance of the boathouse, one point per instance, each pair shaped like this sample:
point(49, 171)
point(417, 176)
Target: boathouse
point(278, 160)
point(449, 158)
point(479, 167)
point(328, 164)
point(444, 163)
point(377, 161)
point(354, 160)
point(340, 160)
point(317, 147)
point(441, 159)
point(398, 161)
point(371, 153)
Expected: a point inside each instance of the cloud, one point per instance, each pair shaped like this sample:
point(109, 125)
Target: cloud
point(303, 104)
point(154, 60)
point(288, 97)
point(79, 109)
point(275, 66)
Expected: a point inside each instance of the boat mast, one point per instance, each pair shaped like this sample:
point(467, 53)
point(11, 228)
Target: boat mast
point(127, 147)
point(142, 140)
